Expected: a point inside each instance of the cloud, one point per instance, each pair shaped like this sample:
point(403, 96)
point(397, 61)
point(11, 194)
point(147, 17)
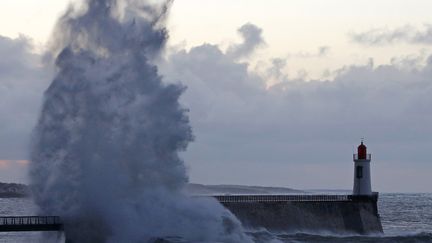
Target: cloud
point(384, 36)
point(251, 133)
point(243, 125)
point(22, 82)
point(359, 95)
point(252, 39)
point(321, 51)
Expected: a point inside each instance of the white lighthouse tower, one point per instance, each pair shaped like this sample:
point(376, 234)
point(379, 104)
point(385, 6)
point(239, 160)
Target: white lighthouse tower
point(362, 178)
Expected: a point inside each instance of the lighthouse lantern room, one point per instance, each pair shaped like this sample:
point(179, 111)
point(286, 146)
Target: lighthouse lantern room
point(362, 178)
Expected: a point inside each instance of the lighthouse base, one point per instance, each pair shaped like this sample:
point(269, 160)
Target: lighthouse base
point(307, 213)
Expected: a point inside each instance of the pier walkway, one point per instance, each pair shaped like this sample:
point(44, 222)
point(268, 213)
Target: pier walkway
point(293, 198)
point(30, 223)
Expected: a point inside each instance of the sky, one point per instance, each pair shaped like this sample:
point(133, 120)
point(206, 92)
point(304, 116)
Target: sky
point(279, 92)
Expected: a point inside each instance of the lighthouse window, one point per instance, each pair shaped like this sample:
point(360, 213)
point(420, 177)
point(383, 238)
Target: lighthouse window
point(359, 172)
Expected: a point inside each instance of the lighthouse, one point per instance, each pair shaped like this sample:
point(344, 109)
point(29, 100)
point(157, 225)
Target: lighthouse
point(362, 178)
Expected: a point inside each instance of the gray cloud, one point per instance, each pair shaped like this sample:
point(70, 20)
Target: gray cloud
point(321, 51)
point(405, 34)
point(246, 128)
point(252, 39)
point(23, 78)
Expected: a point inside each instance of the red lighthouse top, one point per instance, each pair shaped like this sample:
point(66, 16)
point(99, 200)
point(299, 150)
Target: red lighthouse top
point(362, 151)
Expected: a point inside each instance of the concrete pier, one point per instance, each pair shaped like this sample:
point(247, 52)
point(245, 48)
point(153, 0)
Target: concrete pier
point(307, 213)
point(30, 223)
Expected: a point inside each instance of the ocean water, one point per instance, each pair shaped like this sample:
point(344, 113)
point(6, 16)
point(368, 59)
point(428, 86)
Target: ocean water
point(405, 218)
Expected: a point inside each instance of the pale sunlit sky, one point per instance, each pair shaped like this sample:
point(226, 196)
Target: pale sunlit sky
point(290, 27)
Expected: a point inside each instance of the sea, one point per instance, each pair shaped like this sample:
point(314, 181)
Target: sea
point(405, 218)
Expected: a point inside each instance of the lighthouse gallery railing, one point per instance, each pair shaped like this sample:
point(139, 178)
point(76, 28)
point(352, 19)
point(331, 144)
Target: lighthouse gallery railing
point(368, 156)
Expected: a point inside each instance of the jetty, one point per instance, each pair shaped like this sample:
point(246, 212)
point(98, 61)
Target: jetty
point(30, 223)
point(356, 213)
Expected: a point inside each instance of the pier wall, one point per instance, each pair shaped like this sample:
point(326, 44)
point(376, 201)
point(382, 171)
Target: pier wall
point(353, 215)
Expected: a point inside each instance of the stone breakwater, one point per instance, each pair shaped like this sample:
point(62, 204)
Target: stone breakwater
point(307, 213)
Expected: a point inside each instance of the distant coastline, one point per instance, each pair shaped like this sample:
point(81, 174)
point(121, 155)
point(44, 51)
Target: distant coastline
point(16, 190)
point(200, 189)
point(13, 190)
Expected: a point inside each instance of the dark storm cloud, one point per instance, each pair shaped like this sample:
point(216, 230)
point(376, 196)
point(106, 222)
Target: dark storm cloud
point(23, 79)
point(405, 34)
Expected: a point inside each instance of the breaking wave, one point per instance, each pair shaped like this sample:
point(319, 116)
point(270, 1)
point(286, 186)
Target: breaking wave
point(105, 149)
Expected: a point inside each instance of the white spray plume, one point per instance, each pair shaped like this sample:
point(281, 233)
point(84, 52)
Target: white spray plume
point(105, 149)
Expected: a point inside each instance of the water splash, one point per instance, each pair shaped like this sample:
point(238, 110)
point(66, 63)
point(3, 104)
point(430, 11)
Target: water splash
point(105, 149)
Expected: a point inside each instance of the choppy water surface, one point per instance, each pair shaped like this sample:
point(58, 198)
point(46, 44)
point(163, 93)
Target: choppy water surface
point(405, 218)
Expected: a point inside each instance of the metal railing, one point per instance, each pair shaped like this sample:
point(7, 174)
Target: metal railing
point(281, 198)
point(368, 156)
point(30, 220)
